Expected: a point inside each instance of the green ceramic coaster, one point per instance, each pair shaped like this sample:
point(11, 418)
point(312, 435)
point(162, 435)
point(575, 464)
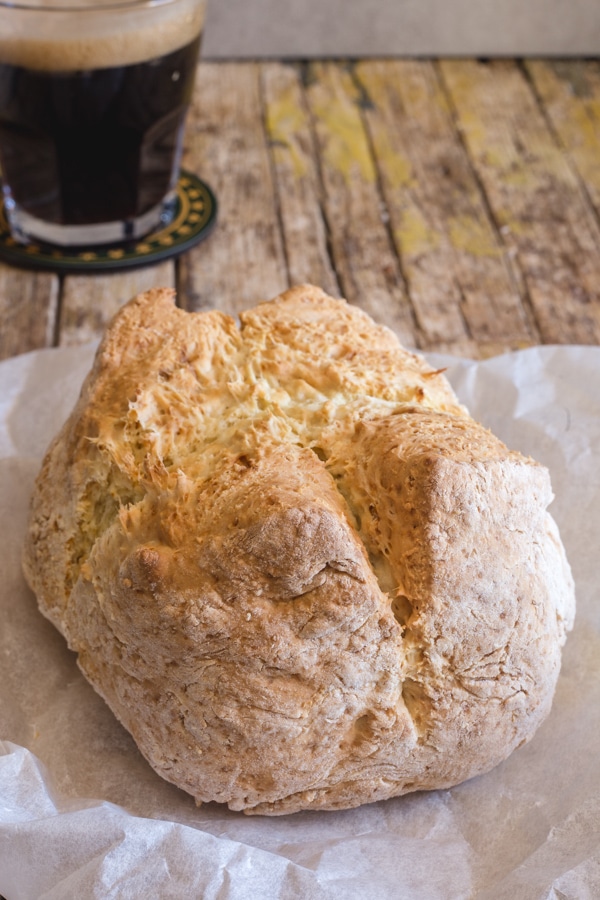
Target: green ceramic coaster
point(194, 217)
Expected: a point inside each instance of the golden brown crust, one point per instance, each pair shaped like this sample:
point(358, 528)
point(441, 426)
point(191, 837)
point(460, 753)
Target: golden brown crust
point(296, 569)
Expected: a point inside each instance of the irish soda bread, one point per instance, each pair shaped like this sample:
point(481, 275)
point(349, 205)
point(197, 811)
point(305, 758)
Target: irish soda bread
point(294, 567)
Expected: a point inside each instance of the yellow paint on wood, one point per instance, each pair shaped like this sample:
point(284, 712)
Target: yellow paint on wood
point(502, 124)
point(516, 175)
point(345, 146)
point(409, 87)
point(571, 95)
point(585, 120)
point(463, 78)
point(467, 234)
point(396, 167)
point(413, 235)
point(422, 95)
point(285, 119)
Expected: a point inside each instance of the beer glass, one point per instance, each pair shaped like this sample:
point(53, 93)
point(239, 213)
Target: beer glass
point(93, 99)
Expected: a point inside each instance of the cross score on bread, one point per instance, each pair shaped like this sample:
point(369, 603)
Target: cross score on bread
point(296, 569)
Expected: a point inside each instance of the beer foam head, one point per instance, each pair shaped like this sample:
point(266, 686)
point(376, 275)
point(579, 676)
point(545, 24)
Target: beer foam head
point(72, 35)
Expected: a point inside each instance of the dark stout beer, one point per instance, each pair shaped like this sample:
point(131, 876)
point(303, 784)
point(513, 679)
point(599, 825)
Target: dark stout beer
point(94, 146)
point(93, 98)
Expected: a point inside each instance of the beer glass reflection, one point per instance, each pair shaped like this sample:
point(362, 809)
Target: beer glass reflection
point(93, 100)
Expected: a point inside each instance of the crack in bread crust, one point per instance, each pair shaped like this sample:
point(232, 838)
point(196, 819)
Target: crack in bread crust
point(292, 531)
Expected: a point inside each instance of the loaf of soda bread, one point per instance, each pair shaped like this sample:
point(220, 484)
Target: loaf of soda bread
point(296, 569)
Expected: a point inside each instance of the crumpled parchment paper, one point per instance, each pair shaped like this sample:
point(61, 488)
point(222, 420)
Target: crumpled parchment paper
point(83, 815)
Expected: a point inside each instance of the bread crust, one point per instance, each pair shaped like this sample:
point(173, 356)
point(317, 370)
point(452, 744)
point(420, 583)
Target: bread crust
point(293, 565)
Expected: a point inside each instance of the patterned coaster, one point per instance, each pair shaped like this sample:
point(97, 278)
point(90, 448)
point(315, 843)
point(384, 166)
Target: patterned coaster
point(194, 217)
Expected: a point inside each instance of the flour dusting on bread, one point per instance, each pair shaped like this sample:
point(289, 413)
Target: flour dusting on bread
point(297, 570)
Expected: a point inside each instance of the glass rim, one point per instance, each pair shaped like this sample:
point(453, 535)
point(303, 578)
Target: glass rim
point(55, 6)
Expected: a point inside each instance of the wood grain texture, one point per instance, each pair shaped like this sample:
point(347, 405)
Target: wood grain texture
point(535, 197)
point(459, 278)
point(90, 301)
point(296, 175)
point(570, 93)
point(243, 261)
point(456, 201)
point(28, 310)
point(367, 265)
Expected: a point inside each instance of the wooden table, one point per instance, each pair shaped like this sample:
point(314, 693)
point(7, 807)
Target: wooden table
point(457, 201)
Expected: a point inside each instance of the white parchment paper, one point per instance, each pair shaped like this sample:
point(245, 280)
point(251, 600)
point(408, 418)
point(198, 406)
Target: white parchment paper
point(82, 815)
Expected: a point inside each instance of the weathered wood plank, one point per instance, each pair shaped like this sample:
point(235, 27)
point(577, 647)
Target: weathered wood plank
point(534, 195)
point(298, 190)
point(356, 178)
point(28, 310)
point(90, 301)
point(243, 261)
point(458, 278)
point(570, 93)
point(365, 260)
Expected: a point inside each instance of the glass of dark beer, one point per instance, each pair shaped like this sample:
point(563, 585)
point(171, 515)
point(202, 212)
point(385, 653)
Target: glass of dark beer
point(93, 99)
